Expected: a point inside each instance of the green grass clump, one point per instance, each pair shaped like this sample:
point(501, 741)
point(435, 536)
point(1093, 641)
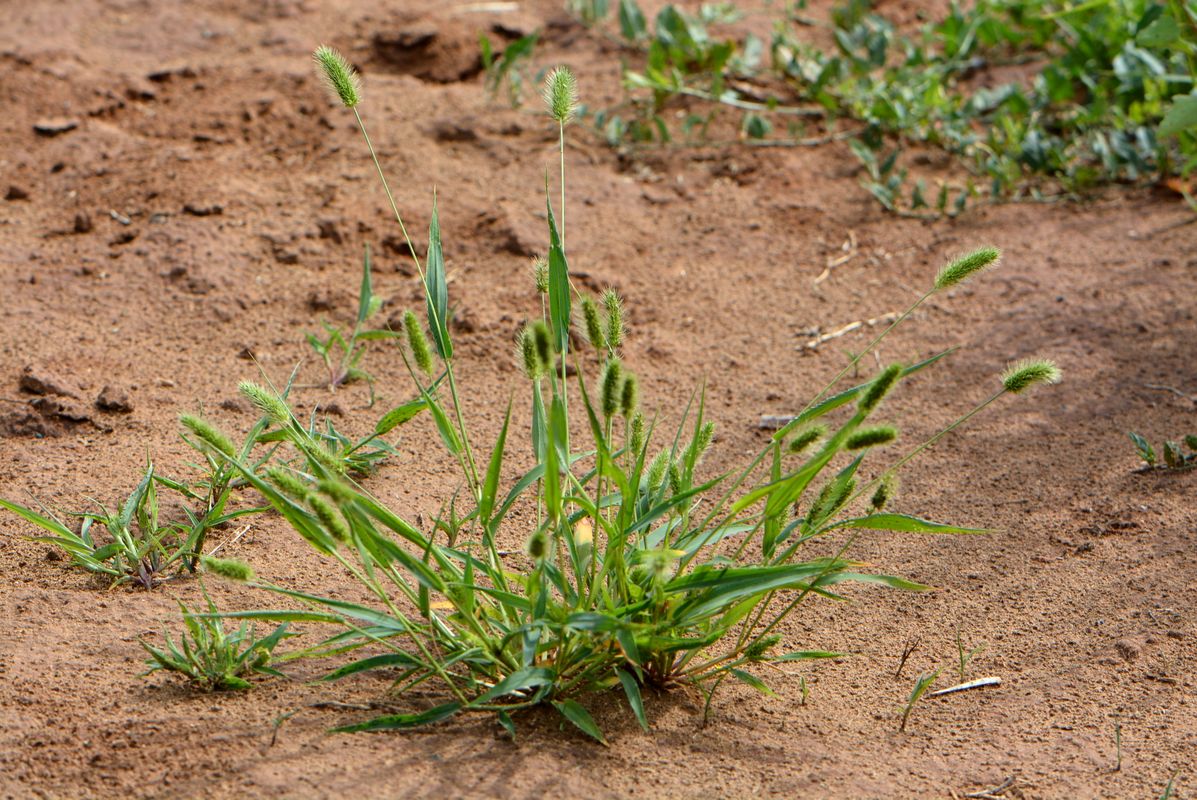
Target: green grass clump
point(210, 656)
point(638, 568)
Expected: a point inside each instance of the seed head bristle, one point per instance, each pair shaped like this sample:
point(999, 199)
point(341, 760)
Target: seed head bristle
point(805, 438)
point(228, 568)
point(594, 324)
point(886, 490)
point(871, 437)
point(636, 437)
point(267, 402)
point(611, 383)
point(540, 274)
point(629, 396)
point(758, 649)
point(656, 471)
point(538, 545)
point(209, 434)
point(561, 94)
point(1022, 375)
point(327, 513)
point(965, 266)
point(880, 387)
point(614, 306)
point(338, 76)
point(338, 491)
point(526, 351)
point(287, 482)
point(418, 342)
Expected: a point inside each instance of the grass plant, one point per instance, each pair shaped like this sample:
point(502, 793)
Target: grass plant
point(638, 568)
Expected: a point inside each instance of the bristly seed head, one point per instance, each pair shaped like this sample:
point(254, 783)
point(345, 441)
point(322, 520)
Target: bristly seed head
point(228, 568)
point(540, 274)
point(538, 545)
point(871, 437)
point(287, 482)
point(338, 76)
point(965, 266)
point(886, 490)
point(267, 402)
point(327, 513)
point(636, 437)
point(630, 396)
point(526, 350)
point(544, 345)
point(594, 325)
point(614, 307)
point(611, 383)
point(418, 342)
point(209, 434)
point(339, 492)
point(656, 471)
point(1022, 375)
point(879, 388)
point(561, 94)
point(758, 649)
point(806, 437)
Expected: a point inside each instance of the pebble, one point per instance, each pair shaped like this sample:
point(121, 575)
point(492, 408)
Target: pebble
point(16, 193)
point(203, 209)
point(115, 399)
point(83, 222)
point(54, 126)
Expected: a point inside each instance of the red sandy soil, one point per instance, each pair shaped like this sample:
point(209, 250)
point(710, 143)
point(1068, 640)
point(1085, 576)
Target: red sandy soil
point(248, 198)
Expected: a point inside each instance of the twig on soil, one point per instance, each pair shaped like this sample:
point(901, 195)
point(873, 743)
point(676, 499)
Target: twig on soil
point(850, 251)
point(907, 651)
point(961, 687)
point(339, 706)
point(119, 217)
point(236, 537)
point(1161, 387)
point(994, 792)
point(849, 328)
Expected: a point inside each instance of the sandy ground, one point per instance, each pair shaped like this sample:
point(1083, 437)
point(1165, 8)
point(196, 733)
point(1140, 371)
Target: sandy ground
point(208, 203)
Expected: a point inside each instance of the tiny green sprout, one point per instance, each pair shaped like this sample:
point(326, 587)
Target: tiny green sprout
point(636, 437)
point(538, 545)
point(1022, 375)
point(761, 647)
point(611, 383)
point(418, 342)
point(540, 274)
point(327, 513)
point(871, 437)
point(1191, 442)
point(228, 568)
point(287, 482)
point(338, 76)
point(885, 492)
point(209, 434)
point(630, 396)
point(880, 387)
point(805, 438)
point(267, 402)
point(964, 267)
point(594, 325)
point(561, 95)
point(614, 306)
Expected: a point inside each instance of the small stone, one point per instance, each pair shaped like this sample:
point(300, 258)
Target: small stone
point(321, 300)
point(16, 193)
point(54, 126)
point(114, 399)
point(124, 237)
point(328, 230)
point(203, 209)
point(62, 408)
point(38, 380)
point(82, 222)
point(286, 256)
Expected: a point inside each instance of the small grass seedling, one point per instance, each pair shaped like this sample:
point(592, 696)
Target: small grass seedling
point(1174, 457)
point(210, 656)
point(962, 658)
point(921, 685)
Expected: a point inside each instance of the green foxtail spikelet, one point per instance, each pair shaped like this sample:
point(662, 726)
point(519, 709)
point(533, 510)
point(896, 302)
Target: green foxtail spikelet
point(833, 495)
point(538, 545)
point(629, 396)
point(337, 490)
point(209, 434)
point(561, 94)
point(418, 342)
point(594, 325)
point(611, 384)
point(338, 76)
point(885, 492)
point(760, 648)
point(267, 402)
point(656, 471)
point(675, 479)
point(287, 482)
point(805, 438)
point(540, 274)
point(636, 437)
point(228, 568)
point(333, 462)
point(702, 440)
point(871, 437)
point(526, 349)
point(879, 388)
point(614, 308)
point(327, 513)
point(967, 265)
point(544, 345)
point(1022, 375)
